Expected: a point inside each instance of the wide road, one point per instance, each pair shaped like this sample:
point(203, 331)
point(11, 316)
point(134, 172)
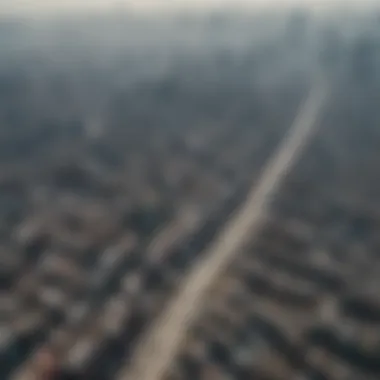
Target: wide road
point(158, 347)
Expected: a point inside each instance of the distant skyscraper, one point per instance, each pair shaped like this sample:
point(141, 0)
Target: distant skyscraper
point(297, 28)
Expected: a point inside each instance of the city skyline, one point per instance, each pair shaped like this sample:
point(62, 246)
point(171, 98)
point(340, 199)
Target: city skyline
point(25, 6)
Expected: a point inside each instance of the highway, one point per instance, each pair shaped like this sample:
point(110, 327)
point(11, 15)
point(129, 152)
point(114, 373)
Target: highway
point(161, 341)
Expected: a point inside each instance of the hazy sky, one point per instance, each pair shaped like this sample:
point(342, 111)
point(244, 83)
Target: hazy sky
point(48, 5)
